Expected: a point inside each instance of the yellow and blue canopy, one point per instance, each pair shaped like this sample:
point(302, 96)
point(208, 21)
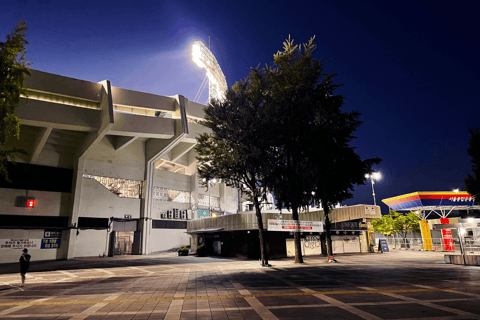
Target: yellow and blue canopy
point(432, 200)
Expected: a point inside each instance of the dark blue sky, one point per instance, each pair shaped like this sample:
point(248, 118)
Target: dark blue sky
point(411, 68)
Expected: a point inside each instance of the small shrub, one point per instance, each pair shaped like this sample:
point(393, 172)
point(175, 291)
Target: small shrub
point(183, 251)
point(201, 251)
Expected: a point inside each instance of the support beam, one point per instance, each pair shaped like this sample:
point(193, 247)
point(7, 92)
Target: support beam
point(107, 122)
point(39, 144)
point(180, 150)
point(122, 142)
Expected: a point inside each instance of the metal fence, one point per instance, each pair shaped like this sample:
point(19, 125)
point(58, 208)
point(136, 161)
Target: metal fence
point(417, 244)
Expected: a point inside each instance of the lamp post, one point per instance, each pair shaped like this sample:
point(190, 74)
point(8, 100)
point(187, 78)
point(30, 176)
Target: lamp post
point(373, 176)
point(209, 183)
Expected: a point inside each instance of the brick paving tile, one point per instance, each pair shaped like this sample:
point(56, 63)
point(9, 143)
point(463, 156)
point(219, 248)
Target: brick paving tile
point(228, 303)
point(204, 315)
point(234, 314)
point(110, 317)
point(189, 305)
point(188, 315)
point(125, 317)
point(364, 297)
point(141, 316)
point(472, 306)
point(241, 302)
point(250, 314)
point(407, 310)
point(135, 307)
point(157, 316)
point(290, 300)
point(220, 315)
point(313, 313)
point(121, 307)
point(162, 305)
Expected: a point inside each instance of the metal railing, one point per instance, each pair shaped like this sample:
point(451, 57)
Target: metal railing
point(417, 244)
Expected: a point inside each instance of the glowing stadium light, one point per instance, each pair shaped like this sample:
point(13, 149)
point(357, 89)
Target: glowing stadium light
point(205, 59)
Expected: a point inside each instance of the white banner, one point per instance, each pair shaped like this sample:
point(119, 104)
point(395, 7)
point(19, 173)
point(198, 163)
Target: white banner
point(291, 225)
point(20, 243)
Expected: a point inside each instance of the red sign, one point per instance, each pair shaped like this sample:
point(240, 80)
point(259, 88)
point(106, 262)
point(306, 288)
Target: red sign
point(30, 203)
point(447, 236)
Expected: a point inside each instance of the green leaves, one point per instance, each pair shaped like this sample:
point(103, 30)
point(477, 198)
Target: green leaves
point(13, 69)
point(472, 182)
point(396, 222)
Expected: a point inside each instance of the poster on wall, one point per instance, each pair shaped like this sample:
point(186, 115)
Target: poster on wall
point(20, 243)
point(201, 213)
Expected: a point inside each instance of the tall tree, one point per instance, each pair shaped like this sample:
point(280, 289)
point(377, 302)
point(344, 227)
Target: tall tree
point(237, 151)
point(314, 159)
point(335, 166)
point(293, 100)
point(13, 69)
point(472, 182)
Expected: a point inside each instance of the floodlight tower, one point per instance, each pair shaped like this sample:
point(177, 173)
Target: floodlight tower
point(373, 176)
point(204, 58)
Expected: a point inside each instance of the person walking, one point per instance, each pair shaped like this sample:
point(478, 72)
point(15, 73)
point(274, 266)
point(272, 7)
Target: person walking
point(24, 264)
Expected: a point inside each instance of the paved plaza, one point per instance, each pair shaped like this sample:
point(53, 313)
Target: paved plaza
point(396, 285)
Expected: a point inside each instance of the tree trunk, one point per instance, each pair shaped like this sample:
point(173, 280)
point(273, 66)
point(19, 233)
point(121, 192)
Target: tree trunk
point(328, 235)
point(261, 234)
point(296, 237)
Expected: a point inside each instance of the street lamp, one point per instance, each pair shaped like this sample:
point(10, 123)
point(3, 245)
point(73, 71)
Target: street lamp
point(209, 183)
point(373, 176)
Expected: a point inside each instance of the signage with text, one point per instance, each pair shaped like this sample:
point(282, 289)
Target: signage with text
point(20, 243)
point(292, 225)
point(383, 245)
point(52, 234)
point(50, 243)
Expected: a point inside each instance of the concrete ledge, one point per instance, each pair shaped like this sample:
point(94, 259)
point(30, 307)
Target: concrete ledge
point(470, 260)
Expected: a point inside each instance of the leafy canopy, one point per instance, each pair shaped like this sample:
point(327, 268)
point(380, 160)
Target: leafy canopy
point(237, 150)
point(472, 182)
point(13, 69)
point(396, 222)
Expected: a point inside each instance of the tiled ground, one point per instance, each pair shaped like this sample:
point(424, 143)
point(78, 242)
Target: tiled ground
point(398, 285)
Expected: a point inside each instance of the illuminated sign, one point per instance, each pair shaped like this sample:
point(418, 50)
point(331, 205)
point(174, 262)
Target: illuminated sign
point(31, 203)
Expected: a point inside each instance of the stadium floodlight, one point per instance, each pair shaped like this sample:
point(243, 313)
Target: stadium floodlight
point(204, 58)
point(373, 176)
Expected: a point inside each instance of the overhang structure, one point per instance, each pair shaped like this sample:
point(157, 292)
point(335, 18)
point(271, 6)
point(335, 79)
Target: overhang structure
point(440, 202)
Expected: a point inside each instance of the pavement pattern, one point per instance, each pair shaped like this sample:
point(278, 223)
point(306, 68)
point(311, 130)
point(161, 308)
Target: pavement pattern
point(396, 285)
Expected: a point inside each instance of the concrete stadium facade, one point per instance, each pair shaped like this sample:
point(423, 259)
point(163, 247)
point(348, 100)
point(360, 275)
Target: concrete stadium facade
point(111, 170)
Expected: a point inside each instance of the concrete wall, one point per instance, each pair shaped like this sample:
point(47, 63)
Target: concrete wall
point(105, 161)
point(165, 239)
point(12, 255)
point(47, 203)
point(171, 180)
point(91, 243)
point(98, 202)
point(470, 260)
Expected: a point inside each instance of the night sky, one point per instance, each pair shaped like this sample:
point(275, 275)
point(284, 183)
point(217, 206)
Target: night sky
point(411, 68)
